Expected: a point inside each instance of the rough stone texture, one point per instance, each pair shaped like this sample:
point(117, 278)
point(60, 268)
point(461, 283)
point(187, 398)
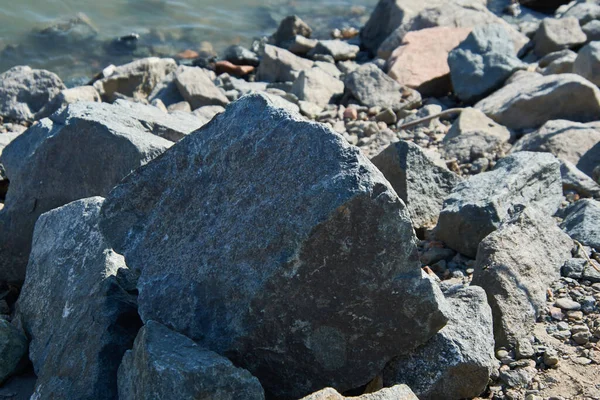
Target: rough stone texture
point(69, 96)
point(280, 65)
point(578, 268)
point(575, 179)
point(307, 237)
point(25, 91)
point(583, 12)
point(288, 29)
point(473, 132)
point(317, 86)
point(166, 91)
point(567, 140)
point(587, 63)
point(592, 30)
point(457, 362)
point(581, 222)
point(417, 180)
point(515, 265)
point(483, 62)
point(535, 99)
point(561, 65)
point(338, 49)
point(136, 79)
point(206, 113)
point(397, 392)
point(75, 306)
point(164, 364)
point(82, 151)
point(13, 348)
point(479, 205)
point(197, 88)
point(421, 62)
point(372, 87)
point(558, 34)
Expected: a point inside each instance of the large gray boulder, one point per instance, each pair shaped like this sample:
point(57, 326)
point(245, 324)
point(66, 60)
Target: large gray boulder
point(25, 91)
point(417, 180)
point(529, 103)
point(516, 265)
point(581, 222)
point(197, 88)
point(82, 151)
point(478, 205)
point(297, 229)
point(77, 306)
point(13, 348)
point(567, 140)
point(558, 34)
point(587, 63)
point(482, 62)
point(458, 361)
point(317, 86)
point(279, 65)
point(164, 364)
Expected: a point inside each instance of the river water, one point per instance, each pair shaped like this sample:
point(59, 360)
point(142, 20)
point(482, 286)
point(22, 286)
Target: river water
point(29, 33)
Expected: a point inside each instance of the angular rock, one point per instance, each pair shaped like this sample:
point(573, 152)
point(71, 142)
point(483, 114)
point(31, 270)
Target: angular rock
point(397, 392)
point(75, 306)
point(206, 113)
point(515, 266)
point(578, 268)
point(69, 96)
point(338, 49)
point(458, 361)
point(587, 63)
point(567, 140)
point(13, 348)
point(583, 12)
point(197, 88)
point(421, 62)
point(302, 45)
point(417, 180)
point(82, 151)
point(136, 79)
point(558, 34)
point(240, 55)
point(288, 29)
point(372, 88)
point(561, 65)
point(574, 179)
point(279, 65)
point(277, 194)
point(483, 62)
point(317, 86)
point(592, 30)
point(166, 91)
point(581, 222)
point(25, 91)
point(529, 103)
point(165, 364)
point(479, 205)
point(472, 132)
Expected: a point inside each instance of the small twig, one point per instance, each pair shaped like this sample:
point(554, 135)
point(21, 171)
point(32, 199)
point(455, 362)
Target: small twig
point(445, 113)
point(586, 256)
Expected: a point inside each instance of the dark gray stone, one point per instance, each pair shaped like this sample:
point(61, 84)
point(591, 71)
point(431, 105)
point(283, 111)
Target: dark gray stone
point(515, 266)
point(579, 268)
point(458, 361)
point(478, 205)
point(558, 34)
point(297, 229)
point(279, 65)
point(166, 91)
point(240, 55)
point(82, 151)
point(13, 348)
point(75, 306)
point(197, 88)
point(25, 91)
point(164, 364)
point(587, 63)
point(581, 222)
point(417, 180)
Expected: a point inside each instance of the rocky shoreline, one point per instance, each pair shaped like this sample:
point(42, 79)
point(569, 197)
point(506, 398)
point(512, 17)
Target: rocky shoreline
point(406, 211)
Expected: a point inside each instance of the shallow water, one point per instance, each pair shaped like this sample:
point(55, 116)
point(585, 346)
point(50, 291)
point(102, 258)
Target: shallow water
point(166, 27)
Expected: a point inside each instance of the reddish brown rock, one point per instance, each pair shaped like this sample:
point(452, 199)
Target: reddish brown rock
point(222, 67)
point(421, 61)
point(187, 55)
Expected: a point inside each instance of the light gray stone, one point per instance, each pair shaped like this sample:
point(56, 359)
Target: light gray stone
point(75, 306)
point(69, 96)
point(307, 237)
point(338, 49)
point(197, 88)
point(584, 12)
point(397, 392)
point(166, 91)
point(240, 55)
point(587, 63)
point(317, 86)
point(558, 34)
point(581, 222)
point(288, 29)
point(280, 65)
point(562, 65)
point(578, 268)
point(592, 30)
point(301, 45)
point(574, 179)
point(13, 348)
point(206, 113)
point(480, 204)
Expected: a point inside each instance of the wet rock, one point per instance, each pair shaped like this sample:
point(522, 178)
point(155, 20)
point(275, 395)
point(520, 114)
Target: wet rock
point(289, 320)
point(166, 364)
point(75, 307)
point(421, 61)
point(92, 146)
point(457, 362)
point(535, 99)
point(478, 206)
point(574, 179)
point(397, 392)
point(417, 180)
point(581, 222)
point(592, 30)
point(587, 63)
point(25, 91)
point(483, 62)
point(72, 31)
point(473, 130)
point(515, 265)
point(69, 96)
point(558, 34)
point(280, 65)
point(197, 88)
point(13, 348)
point(288, 29)
point(317, 86)
point(240, 55)
point(136, 79)
point(338, 49)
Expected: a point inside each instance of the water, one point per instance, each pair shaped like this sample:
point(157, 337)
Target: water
point(166, 27)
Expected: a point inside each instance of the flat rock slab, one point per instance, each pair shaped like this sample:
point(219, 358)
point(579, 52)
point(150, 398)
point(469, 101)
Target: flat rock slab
point(75, 306)
point(297, 229)
point(582, 222)
point(516, 265)
point(478, 205)
point(164, 364)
